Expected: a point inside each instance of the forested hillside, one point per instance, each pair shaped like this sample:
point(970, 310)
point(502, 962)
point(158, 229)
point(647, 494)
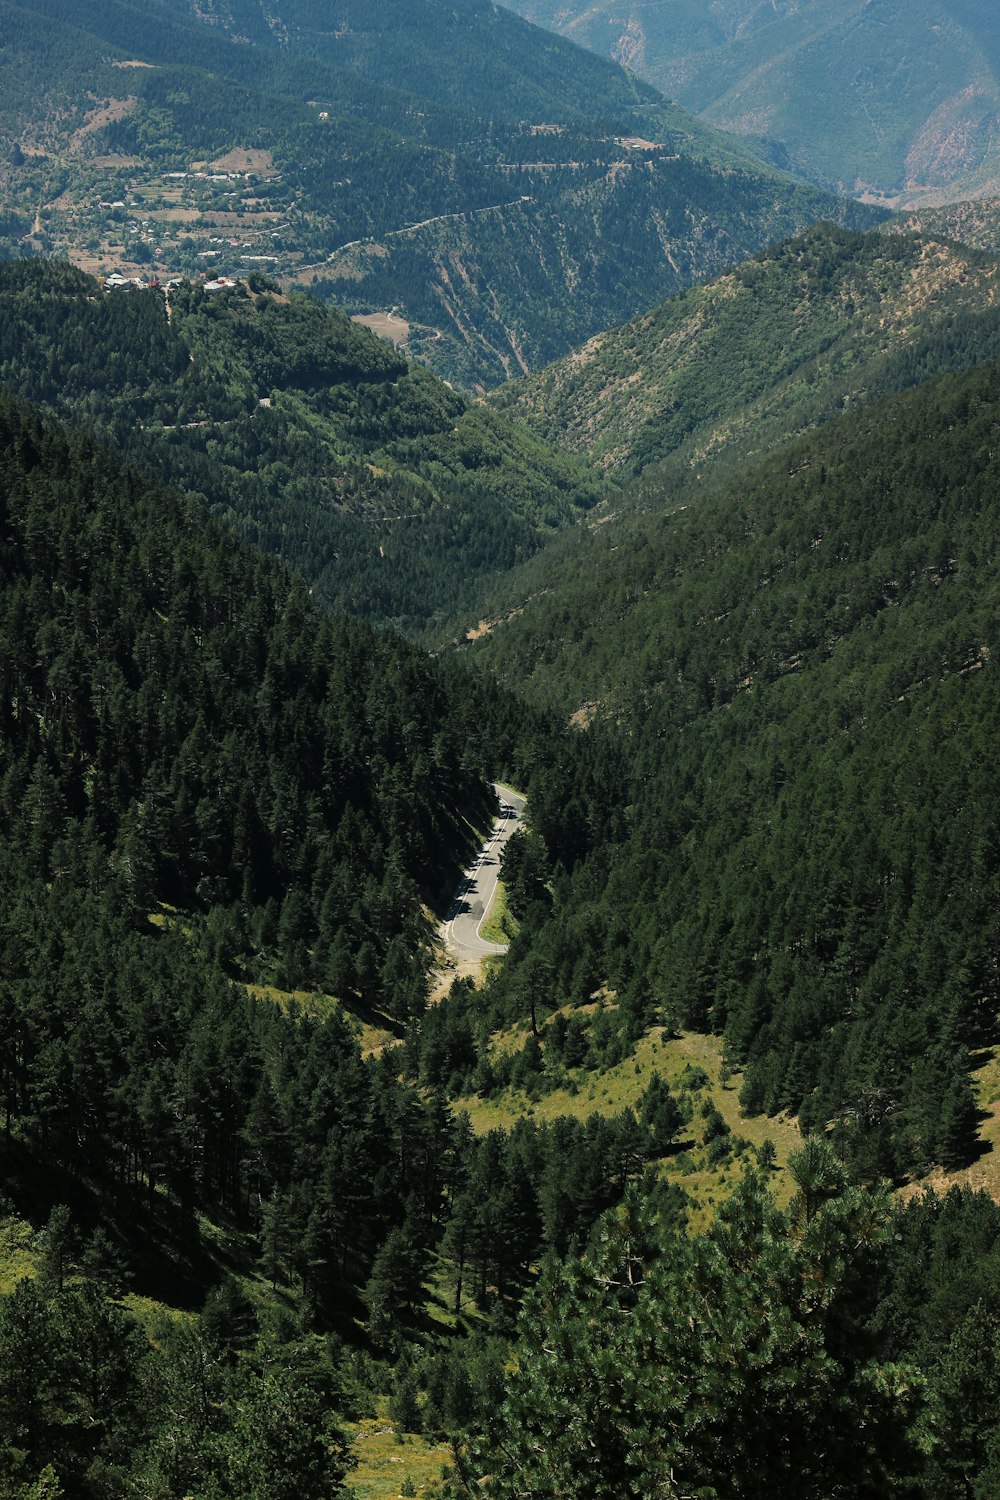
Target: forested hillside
point(727, 371)
point(506, 193)
point(174, 706)
point(974, 222)
point(891, 99)
point(235, 1227)
point(391, 494)
point(293, 1206)
point(203, 779)
point(803, 666)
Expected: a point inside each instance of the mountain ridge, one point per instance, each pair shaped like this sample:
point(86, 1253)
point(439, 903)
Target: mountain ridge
point(774, 346)
point(896, 101)
point(495, 214)
point(787, 660)
point(390, 493)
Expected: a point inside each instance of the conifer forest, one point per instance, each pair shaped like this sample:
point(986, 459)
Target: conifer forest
point(499, 808)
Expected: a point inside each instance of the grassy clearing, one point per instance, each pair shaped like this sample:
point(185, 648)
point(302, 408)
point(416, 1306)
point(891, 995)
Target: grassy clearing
point(371, 1037)
point(982, 1175)
point(149, 1312)
point(620, 1087)
point(386, 1461)
point(308, 1002)
point(501, 925)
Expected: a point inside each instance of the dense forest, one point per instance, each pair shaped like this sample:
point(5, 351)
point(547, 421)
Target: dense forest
point(203, 780)
point(638, 1209)
point(803, 665)
point(177, 708)
point(244, 1232)
point(390, 493)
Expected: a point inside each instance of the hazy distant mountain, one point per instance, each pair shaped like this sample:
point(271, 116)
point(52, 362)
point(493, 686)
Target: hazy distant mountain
point(506, 193)
point(895, 99)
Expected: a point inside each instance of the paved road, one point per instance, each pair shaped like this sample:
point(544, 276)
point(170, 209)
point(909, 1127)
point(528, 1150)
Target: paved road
point(477, 887)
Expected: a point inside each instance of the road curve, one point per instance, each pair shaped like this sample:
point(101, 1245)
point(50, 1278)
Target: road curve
point(476, 889)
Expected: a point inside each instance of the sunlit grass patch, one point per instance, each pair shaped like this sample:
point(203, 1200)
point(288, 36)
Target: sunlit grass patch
point(677, 1060)
point(385, 1460)
point(982, 1174)
point(500, 925)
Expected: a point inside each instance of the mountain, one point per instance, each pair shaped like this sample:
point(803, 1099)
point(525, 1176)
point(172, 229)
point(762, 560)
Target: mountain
point(224, 816)
point(594, 233)
point(184, 724)
point(974, 222)
point(391, 494)
point(802, 665)
point(229, 1235)
point(729, 370)
point(503, 192)
point(898, 101)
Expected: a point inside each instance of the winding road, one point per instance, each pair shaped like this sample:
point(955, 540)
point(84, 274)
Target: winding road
point(476, 889)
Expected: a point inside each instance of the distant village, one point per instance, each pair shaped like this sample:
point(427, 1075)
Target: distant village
point(117, 282)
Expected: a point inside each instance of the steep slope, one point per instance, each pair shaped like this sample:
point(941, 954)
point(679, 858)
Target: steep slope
point(593, 230)
point(506, 193)
point(391, 494)
point(212, 794)
point(472, 56)
point(897, 100)
point(178, 717)
point(974, 222)
point(804, 665)
point(731, 369)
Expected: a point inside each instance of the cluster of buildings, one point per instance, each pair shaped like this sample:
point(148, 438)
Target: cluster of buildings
point(117, 282)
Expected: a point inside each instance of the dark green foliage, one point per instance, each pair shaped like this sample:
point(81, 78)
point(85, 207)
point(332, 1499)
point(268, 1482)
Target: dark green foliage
point(736, 1365)
point(936, 1304)
point(524, 869)
point(181, 726)
point(56, 1247)
point(228, 1319)
point(849, 1352)
point(86, 1395)
point(804, 662)
point(390, 494)
point(728, 371)
point(183, 715)
point(404, 1403)
point(393, 1289)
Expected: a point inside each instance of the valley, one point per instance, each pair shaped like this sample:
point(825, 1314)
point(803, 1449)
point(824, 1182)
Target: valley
point(478, 219)
point(465, 929)
point(498, 699)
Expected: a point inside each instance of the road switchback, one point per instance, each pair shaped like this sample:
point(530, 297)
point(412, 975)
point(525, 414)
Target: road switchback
point(477, 888)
